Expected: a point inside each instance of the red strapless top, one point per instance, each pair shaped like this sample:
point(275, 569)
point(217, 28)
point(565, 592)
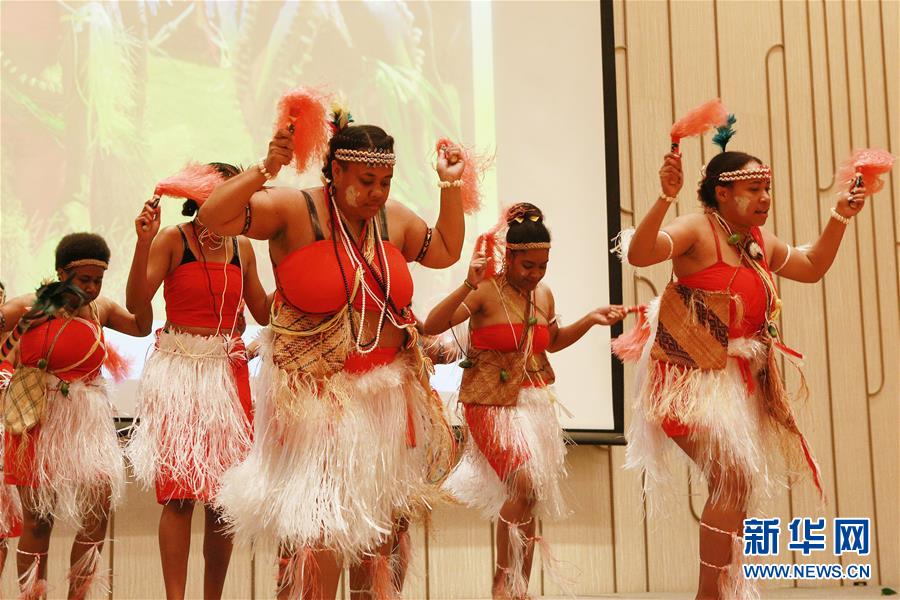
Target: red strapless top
point(503, 338)
point(310, 278)
point(745, 284)
point(77, 354)
point(193, 293)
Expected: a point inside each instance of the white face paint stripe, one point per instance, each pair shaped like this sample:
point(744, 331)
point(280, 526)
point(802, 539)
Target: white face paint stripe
point(742, 202)
point(352, 196)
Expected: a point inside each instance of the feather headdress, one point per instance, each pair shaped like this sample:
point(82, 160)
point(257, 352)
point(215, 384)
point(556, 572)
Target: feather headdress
point(699, 120)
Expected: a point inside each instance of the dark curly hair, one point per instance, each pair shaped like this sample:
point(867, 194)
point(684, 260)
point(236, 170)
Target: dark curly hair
point(190, 207)
point(531, 229)
point(720, 163)
point(356, 137)
point(78, 246)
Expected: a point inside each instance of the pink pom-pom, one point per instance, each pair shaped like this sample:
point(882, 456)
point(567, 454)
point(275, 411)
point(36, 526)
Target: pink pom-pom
point(304, 109)
point(867, 164)
point(629, 346)
point(473, 172)
point(195, 182)
point(117, 364)
point(698, 120)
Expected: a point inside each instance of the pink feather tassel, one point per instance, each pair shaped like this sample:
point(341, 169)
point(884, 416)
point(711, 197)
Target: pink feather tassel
point(304, 110)
point(629, 346)
point(118, 365)
point(474, 170)
point(195, 182)
point(383, 587)
point(864, 167)
point(699, 120)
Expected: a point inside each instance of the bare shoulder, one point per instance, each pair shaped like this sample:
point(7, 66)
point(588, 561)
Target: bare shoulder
point(543, 295)
point(689, 221)
point(401, 213)
point(245, 246)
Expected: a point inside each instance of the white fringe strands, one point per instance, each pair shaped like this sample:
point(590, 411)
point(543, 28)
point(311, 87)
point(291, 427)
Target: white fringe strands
point(10, 505)
point(31, 586)
point(192, 426)
point(731, 581)
point(78, 464)
point(621, 244)
point(88, 572)
point(532, 427)
point(731, 427)
point(330, 465)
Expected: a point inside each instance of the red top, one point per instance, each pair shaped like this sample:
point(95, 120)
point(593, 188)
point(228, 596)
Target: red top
point(745, 284)
point(81, 341)
point(505, 338)
point(310, 278)
point(193, 294)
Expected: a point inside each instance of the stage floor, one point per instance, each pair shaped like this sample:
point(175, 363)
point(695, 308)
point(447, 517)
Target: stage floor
point(831, 593)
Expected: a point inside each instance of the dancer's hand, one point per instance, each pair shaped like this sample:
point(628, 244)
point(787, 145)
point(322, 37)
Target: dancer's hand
point(851, 202)
point(147, 223)
point(281, 152)
point(253, 349)
point(450, 163)
point(671, 177)
point(476, 268)
point(609, 315)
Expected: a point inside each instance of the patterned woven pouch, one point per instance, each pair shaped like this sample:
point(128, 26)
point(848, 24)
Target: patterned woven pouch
point(693, 328)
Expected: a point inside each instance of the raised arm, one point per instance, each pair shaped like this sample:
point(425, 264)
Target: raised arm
point(563, 337)
point(445, 244)
point(810, 265)
point(151, 261)
point(451, 311)
point(241, 206)
point(651, 245)
point(254, 294)
point(115, 316)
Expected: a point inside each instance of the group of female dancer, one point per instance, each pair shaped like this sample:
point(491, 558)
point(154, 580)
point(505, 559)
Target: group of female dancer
point(344, 441)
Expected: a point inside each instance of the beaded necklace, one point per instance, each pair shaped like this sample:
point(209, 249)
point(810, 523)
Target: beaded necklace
point(752, 255)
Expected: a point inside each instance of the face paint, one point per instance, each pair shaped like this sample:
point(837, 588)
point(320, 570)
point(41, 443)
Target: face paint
point(352, 196)
point(742, 204)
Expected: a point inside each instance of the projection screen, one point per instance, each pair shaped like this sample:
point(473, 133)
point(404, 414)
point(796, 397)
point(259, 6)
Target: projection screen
point(101, 100)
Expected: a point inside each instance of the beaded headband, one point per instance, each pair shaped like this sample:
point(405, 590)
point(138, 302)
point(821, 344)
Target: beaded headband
point(763, 172)
point(529, 246)
point(377, 157)
point(86, 262)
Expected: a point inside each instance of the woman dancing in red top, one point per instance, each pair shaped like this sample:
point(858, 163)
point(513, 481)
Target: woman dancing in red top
point(194, 407)
point(514, 457)
point(347, 429)
point(68, 466)
point(726, 418)
point(10, 507)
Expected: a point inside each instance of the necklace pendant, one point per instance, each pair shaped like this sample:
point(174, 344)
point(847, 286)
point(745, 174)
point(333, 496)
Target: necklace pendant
point(735, 239)
point(773, 331)
point(532, 321)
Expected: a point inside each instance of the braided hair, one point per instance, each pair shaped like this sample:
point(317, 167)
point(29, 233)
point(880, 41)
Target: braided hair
point(356, 137)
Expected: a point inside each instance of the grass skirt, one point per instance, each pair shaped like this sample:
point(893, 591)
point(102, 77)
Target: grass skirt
point(332, 465)
point(506, 442)
point(192, 425)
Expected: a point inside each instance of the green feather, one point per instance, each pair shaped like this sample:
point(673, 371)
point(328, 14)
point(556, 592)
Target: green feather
point(724, 133)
